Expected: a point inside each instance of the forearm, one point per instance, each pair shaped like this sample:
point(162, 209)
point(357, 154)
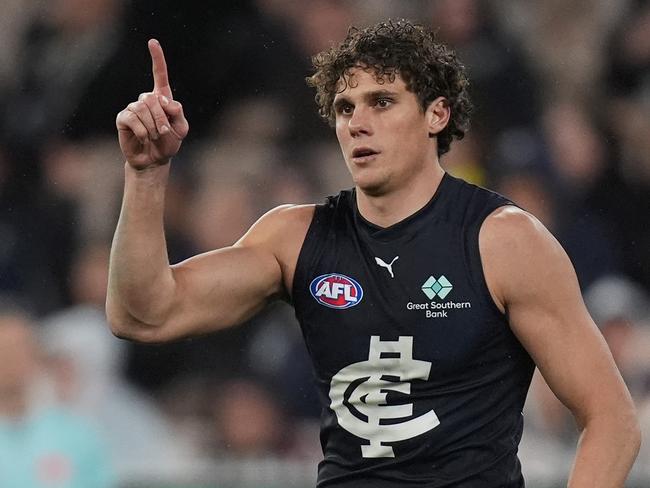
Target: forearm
point(141, 285)
point(607, 449)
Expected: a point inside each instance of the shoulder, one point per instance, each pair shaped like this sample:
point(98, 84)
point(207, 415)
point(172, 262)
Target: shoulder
point(281, 232)
point(285, 222)
point(517, 251)
point(512, 224)
point(511, 229)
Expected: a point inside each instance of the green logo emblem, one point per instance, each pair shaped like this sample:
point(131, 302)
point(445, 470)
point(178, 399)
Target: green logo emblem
point(440, 287)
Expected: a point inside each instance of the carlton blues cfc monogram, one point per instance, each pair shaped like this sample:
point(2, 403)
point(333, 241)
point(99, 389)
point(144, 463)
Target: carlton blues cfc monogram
point(359, 394)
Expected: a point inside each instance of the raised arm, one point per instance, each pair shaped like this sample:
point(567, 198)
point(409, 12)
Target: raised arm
point(533, 281)
point(148, 300)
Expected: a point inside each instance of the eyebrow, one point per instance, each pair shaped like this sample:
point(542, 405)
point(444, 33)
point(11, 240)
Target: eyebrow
point(340, 100)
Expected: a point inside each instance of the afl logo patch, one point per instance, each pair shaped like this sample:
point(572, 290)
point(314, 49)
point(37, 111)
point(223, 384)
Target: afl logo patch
point(336, 291)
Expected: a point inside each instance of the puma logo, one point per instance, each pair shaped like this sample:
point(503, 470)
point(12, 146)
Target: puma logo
point(389, 267)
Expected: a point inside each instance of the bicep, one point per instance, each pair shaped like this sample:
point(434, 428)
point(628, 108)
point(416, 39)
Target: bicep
point(225, 287)
point(537, 284)
point(222, 288)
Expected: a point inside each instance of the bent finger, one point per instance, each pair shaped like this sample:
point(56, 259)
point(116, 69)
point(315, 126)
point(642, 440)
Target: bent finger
point(129, 121)
point(172, 108)
point(141, 110)
point(153, 102)
point(179, 124)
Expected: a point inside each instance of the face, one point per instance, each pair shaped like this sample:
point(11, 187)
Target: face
point(383, 132)
point(19, 356)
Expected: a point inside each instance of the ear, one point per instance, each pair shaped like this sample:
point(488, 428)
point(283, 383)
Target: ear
point(437, 115)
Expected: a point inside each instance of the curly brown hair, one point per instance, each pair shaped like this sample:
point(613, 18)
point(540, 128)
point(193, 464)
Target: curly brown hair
point(429, 69)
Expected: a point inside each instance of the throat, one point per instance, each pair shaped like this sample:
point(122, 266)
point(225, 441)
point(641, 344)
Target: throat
point(394, 206)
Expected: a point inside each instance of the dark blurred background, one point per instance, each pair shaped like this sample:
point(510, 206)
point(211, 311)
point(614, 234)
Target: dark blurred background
point(562, 127)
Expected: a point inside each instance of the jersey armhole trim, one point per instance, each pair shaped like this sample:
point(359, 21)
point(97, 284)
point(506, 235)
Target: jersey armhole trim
point(477, 259)
point(315, 233)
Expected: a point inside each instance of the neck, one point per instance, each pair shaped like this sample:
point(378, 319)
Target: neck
point(394, 206)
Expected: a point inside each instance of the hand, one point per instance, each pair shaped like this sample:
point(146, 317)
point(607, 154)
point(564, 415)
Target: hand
point(152, 129)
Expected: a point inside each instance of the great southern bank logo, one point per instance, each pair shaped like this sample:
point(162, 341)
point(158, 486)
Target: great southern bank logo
point(438, 306)
point(336, 291)
point(440, 287)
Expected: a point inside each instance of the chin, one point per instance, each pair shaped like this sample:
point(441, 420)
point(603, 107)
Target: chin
point(371, 181)
point(372, 188)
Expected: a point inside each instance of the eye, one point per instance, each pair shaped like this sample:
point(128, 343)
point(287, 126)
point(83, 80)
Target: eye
point(346, 109)
point(383, 102)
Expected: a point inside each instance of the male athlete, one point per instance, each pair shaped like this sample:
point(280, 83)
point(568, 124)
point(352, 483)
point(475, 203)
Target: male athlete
point(425, 302)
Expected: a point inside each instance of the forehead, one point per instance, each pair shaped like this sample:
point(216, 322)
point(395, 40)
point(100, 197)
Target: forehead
point(360, 80)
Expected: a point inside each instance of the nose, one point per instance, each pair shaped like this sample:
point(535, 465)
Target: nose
point(359, 123)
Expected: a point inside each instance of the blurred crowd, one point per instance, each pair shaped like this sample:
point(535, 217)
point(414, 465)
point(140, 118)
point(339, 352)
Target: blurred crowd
point(561, 126)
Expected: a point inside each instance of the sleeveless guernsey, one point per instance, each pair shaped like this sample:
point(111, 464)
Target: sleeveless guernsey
point(421, 378)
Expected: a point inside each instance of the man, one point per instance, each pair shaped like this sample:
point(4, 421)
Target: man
point(422, 298)
point(41, 445)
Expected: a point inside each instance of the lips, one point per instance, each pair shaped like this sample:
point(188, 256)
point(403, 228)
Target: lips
point(363, 152)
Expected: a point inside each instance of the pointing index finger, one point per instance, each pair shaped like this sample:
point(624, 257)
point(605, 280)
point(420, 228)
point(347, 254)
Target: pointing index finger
point(159, 69)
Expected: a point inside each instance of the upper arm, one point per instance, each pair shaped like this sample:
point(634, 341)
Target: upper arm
point(532, 279)
point(227, 286)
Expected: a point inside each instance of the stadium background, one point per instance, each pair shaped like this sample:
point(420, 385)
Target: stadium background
point(562, 126)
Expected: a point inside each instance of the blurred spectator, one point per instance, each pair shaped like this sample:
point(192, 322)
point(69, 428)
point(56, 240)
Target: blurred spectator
point(85, 361)
point(15, 14)
point(566, 42)
point(629, 195)
point(70, 46)
point(86, 177)
point(628, 72)
point(584, 166)
point(502, 87)
point(248, 420)
point(621, 309)
point(465, 160)
point(582, 233)
point(277, 353)
point(40, 445)
point(37, 238)
point(301, 29)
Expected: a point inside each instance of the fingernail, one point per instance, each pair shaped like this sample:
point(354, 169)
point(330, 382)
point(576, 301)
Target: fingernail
point(165, 100)
point(164, 129)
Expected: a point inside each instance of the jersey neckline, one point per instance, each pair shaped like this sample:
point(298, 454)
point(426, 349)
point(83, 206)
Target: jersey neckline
point(399, 229)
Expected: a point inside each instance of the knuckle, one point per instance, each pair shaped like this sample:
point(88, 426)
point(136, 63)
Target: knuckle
point(161, 120)
point(149, 98)
point(142, 96)
point(134, 106)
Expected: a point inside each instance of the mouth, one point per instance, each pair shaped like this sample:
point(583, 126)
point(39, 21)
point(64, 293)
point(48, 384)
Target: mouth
point(363, 154)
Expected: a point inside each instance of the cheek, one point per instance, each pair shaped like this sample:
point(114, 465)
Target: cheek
point(341, 130)
point(406, 136)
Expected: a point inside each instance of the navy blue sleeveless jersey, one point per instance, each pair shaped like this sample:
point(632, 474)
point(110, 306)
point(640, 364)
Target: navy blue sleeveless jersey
point(421, 378)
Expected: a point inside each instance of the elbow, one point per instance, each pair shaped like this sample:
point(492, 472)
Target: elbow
point(635, 435)
point(629, 424)
point(119, 324)
point(124, 326)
